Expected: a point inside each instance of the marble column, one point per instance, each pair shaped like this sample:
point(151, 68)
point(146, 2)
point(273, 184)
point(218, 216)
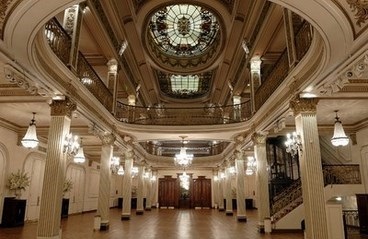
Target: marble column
point(127, 186)
point(221, 177)
point(310, 167)
point(103, 206)
point(240, 187)
point(215, 186)
point(148, 185)
point(262, 196)
point(55, 168)
point(255, 80)
point(112, 76)
point(72, 24)
point(228, 193)
point(140, 178)
point(154, 190)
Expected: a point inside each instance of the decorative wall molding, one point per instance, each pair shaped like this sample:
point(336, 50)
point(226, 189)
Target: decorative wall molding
point(360, 8)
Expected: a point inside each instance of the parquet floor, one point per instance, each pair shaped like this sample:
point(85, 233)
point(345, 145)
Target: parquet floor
point(158, 224)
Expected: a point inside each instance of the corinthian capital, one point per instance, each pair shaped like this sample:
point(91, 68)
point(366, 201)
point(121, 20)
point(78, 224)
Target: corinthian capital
point(258, 138)
point(62, 107)
point(107, 138)
point(304, 105)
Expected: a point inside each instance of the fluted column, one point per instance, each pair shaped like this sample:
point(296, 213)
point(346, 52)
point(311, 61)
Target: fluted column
point(55, 166)
point(228, 194)
point(240, 187)
point(112, 76)
point(215, 186)
point(103, 205)
point(154, 189)
point(127, 186)
point(263, 198)
point(148, 185)
point(310, 167)
point(221, 191)
point(72, 24)
point(140, 208)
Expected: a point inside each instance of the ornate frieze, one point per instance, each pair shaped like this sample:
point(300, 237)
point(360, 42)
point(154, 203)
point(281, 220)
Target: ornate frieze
point(63, 107)
point(258, 138)
point(360, 7)
point(304, 105)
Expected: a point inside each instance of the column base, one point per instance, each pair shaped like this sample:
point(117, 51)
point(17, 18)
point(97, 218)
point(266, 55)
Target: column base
point(125, 217)
point(261, 229)
point(139, 212)
point(242, 218)
point(53, 237)
point(229, 213)
point(147, 209)
point(221, 209)
point(104, 226)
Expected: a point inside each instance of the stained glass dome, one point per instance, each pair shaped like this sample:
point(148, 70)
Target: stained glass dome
point(183, 30)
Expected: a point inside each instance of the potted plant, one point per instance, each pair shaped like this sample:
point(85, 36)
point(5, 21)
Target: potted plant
point(68, 186)
point(17, 182)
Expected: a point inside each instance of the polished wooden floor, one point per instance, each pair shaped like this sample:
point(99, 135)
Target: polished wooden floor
point(158, 223)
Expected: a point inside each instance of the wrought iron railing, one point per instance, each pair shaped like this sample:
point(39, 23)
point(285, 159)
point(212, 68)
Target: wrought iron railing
point(282, 200)
point(60, 43)
point(341, 174)
point(159, 115)
point(351, 218)
point(303, 40)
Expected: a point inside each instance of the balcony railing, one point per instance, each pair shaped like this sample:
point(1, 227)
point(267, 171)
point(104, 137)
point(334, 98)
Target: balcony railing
point(159, 115)
point(60, 43)
point(341, 174)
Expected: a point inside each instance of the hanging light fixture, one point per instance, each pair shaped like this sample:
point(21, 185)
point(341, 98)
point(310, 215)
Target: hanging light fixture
point(86, 79)
point(293, 144)
point(30, 139)
point(115, 164)
point(339, 137)
point(79, 157)
point(121, 170)
point(184, 180)
point(251, 166)
point(183, 159)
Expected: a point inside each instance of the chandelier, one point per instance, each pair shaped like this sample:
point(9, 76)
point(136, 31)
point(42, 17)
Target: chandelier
point(115, 165)
point(184, 180)
point(30, 139)
point(79, 157)
point(251, 166)
point(183, 159)
point(71, 145)
point(293, 144)
point(339, 137)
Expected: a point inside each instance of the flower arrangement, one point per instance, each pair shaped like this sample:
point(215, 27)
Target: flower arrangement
point(68, 185)
point(18, 181)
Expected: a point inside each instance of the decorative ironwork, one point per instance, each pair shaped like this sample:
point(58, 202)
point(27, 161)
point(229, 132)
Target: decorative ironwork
point(208, 115)
point(59, 40)
point(303, 40)
point(272, 81)
point(341, 174)
point(351, 218)
point(285, 200)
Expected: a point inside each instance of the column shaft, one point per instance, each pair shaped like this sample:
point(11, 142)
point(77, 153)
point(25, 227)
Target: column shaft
point(127, 187)
point(140, 208)
point(228, 193)
point(221, 193)
point(148, 185)
point(240, 188)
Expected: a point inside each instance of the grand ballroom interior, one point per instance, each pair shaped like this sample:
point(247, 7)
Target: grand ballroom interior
point(251, 111)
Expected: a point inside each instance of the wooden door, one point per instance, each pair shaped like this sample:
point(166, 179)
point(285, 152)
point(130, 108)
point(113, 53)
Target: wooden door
point(168, 192)
point(201, 192)
point(2, 180)
point(35, 168)
point(362, 203)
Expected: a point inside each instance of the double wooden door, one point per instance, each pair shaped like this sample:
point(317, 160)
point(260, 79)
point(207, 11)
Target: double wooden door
point(201, 192)
point(168, 193)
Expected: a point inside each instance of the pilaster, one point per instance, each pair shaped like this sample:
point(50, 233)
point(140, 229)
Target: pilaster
point(112, 75)
point(221, 191)
point(255, 80)
point(140, 208)
point(240, 187)
point(228, 194)
point(127, 186)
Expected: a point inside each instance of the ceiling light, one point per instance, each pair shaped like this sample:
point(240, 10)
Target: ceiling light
point(339, 137)
point(293, 144)
point(79, 157)
point(183, 159)
point(30, 139)
point(121, 170)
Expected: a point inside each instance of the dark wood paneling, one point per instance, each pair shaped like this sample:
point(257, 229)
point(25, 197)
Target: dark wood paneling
point(201, 192)
point(168, 192)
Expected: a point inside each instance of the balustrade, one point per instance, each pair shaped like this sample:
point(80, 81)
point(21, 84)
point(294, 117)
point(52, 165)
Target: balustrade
point(341, 174)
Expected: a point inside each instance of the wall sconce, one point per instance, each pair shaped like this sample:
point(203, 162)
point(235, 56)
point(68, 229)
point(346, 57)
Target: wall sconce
point(71, 144)
point(339, 137)
point(121, 170)
point(153, 178)
point(251, 166)
point(115, 165)
point(86, 79)
point(215, 178)
point(30, 139)
point(293, 144)
point(134, 171)
point(232, 170)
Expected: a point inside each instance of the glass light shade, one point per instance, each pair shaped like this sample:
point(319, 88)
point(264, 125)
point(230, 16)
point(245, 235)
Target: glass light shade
point(339, 137)
point(121, 170)
point(183, 159)
point(79, 157)
point(30, 139)
point(249, 171)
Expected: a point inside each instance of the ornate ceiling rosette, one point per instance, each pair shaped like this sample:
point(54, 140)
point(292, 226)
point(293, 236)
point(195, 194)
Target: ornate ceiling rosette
point(183, 36)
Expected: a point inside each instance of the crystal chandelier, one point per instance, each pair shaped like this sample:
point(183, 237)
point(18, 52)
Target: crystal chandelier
point(79, 157)
point(115, 165)
point(293, 144)
point(183, 159)
point(251, 166)
point(30, 139)
point(184, 180)
point(339, 137)
point(71, 145)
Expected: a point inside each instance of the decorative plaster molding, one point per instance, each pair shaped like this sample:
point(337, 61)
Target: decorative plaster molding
point(360, 7)
point(304, 105)
point(63, 107)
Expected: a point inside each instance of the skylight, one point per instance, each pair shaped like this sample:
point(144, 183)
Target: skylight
point(184, 84)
